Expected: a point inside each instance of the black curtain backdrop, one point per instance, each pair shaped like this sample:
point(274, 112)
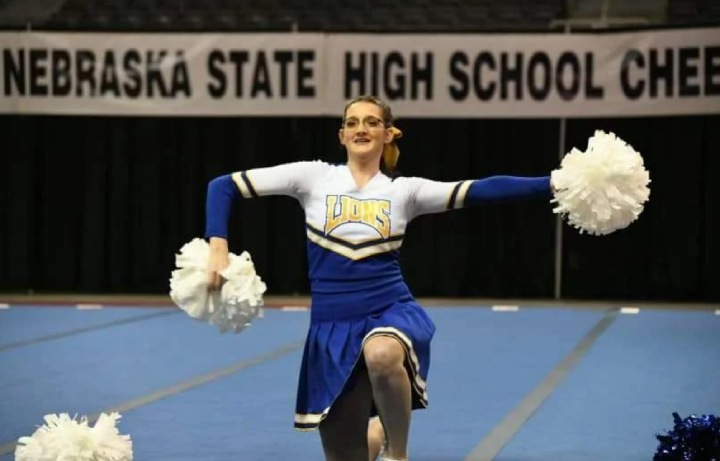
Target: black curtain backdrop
point(101, 205)
point(673, 251)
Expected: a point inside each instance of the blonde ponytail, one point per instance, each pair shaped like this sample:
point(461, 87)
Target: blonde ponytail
point(391, 151)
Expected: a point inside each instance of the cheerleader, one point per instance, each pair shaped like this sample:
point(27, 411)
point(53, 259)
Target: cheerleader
point(367, 352)
point(368, 349)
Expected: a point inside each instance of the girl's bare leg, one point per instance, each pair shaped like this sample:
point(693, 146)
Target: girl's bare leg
point(385, 361)
point(376, 438)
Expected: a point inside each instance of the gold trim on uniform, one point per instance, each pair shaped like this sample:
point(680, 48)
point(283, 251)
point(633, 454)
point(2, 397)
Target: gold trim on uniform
point(344, 209)
point(354, 253)
point(354, 250)
point(462, 192)
point(456, 199)
point(245, 184)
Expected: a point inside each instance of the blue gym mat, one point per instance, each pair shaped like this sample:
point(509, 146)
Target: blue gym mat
point(190, 393)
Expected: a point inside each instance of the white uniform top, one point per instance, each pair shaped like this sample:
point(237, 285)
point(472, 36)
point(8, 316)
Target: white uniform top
point(354, 233)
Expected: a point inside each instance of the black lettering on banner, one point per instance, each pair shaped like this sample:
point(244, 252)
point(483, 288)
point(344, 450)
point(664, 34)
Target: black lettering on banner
point(394, 75)
point(693, 68)
point(591, 91)
point(84, 72)
point(394, 88)
point(305, 89)
point(566, 91)
point(663, 67)
point(165, 73)
point(180, 76)
point(61, 81)
point(483, 93)
point(283, 58)
point(632, 89)
point(688, 71)
point(711, 81)
point(88, 73)
point(458, 61)
point(14, 72)
point(133, 76)
point(217, 86)
point(108, 76)
point(354, 73)
point(252, 73)
point(239, 58)
point(261, 77)
point(374, 73)
point(539, 91)
point(154, 73)
point(661, 71)
point(421, 74)
point(38, 72)
point(511, 73)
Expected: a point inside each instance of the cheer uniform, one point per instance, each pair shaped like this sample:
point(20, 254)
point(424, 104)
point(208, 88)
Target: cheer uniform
point(354, 235)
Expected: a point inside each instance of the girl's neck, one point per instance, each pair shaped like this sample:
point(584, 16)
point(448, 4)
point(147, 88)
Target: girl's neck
point(363, 172)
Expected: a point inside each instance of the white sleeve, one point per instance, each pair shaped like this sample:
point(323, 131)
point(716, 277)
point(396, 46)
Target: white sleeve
point(425, 196)
point(292, 179)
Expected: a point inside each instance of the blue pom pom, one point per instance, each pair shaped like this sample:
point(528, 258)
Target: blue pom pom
point(695, 438)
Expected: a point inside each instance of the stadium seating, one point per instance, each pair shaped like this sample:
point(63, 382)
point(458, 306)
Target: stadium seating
point(336, 15)
point(306, 15)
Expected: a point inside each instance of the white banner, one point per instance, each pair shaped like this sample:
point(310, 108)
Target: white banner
point(646, 73)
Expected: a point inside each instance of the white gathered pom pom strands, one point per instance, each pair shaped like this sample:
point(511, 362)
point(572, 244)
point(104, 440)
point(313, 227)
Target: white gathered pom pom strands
point(234, 306)
point(603, 189)
point(63, 438)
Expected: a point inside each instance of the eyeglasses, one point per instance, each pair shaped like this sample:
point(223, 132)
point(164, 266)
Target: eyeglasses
point(371, 123)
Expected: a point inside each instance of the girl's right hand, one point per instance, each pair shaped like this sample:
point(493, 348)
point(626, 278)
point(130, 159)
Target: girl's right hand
point(218, 261)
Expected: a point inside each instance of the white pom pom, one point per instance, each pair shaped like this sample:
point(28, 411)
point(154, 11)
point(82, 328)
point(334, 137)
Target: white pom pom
point(603, 189)
point(233, 307)
point(63, 438)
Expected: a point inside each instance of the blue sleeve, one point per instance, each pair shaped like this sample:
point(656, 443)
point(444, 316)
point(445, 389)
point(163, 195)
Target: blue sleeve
point(498, 188)
point(221, 194)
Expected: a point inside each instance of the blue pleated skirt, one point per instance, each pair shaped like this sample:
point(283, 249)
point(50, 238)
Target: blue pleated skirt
point(333, 349)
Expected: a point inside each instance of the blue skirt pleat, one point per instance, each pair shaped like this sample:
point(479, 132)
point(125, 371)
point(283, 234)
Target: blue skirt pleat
point(333, 350)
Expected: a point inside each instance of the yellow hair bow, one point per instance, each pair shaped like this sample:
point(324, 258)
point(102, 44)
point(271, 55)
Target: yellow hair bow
point(391, 152)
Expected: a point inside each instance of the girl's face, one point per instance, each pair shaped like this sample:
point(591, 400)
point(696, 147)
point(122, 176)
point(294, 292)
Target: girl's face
point(363, 133)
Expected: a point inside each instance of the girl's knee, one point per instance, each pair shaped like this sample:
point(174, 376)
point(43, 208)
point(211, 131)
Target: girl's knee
point(384, 355)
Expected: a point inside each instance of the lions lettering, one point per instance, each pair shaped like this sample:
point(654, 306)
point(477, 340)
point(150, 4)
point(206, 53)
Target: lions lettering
point(341, 209)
